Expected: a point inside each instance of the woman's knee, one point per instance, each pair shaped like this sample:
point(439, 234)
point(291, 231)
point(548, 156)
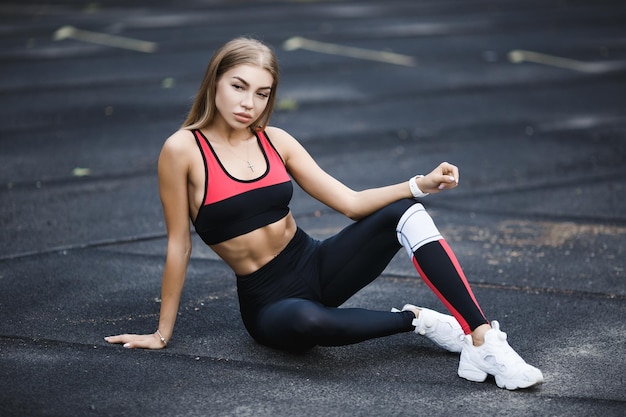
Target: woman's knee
point(309, 320)
point(397, 209)
point(293, 315)
point(291, 324)
point(416, 228)
point(391, 214)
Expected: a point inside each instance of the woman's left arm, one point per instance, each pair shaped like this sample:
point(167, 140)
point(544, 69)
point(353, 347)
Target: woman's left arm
point(354, 204)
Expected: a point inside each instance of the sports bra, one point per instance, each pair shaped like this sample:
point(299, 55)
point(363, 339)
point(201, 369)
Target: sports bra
point(233, 207)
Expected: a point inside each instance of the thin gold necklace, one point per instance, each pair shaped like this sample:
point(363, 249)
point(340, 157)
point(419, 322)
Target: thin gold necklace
point(247, 159)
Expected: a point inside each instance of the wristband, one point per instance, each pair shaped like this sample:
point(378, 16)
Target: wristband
point(415, 190)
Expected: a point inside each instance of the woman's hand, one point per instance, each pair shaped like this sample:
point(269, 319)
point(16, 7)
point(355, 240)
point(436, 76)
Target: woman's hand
point(142, 341)
point(444, 177)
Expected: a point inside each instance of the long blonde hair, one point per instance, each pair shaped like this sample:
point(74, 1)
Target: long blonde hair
point(235, 52)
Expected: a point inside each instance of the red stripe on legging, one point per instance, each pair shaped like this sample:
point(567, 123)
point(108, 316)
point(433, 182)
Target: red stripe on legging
point(464, 325)
point(457, 266)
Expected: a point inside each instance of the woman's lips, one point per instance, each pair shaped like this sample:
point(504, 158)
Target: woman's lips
point(243, 117)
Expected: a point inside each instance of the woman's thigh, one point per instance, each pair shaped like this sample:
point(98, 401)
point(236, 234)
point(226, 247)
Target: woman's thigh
point(359, 253)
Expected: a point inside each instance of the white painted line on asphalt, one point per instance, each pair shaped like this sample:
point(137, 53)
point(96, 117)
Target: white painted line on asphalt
point(518, 56)
point(584, 121)
point(70, 32)
point(297, 42)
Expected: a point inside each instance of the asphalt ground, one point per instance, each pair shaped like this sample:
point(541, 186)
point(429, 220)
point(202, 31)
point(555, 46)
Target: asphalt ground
point(528, 98)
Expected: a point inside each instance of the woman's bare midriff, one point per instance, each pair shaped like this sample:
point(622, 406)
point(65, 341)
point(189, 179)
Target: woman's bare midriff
point(247, 253)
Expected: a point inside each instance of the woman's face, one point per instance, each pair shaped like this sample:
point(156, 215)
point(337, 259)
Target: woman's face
point(242, 94)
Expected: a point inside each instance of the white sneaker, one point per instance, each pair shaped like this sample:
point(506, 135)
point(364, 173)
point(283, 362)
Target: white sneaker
point(442, 329)
point(497, 358)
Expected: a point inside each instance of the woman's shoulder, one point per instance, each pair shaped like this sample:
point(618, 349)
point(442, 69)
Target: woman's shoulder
point(278, 136)
point(179, 149)
point(281, 139)
point(181, 141)
point(287, 146)
point(180, 137)
point(273, 131)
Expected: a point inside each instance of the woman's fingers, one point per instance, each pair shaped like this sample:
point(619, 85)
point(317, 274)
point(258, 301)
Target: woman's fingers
point(454, 173)
point(450, 170)
point(144, 341)
point(449, 176)
point(445, 176)
point(122, 338)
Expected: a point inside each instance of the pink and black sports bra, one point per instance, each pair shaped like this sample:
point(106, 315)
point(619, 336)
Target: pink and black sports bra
point(233, 207)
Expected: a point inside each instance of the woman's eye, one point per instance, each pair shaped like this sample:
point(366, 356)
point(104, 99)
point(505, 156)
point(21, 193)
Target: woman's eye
point(263, 95)
point(237, 87)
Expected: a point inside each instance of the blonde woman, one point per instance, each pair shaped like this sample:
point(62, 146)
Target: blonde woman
point(231, 174)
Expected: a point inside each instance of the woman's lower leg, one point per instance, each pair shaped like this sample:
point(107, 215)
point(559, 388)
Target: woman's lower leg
point(439, 268)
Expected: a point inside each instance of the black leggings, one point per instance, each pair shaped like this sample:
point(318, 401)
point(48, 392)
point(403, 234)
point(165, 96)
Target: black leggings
point(291, 302)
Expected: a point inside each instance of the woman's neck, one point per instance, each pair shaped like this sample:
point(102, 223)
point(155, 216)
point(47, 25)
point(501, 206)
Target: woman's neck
point(222, 132)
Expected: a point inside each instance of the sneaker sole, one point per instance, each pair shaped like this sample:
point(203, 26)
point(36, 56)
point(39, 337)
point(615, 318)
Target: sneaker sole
point(476, 375)
point(517, 384)
point(472, 374)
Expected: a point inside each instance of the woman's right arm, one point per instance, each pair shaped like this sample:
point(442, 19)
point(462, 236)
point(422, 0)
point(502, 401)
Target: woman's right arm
point(173, 171)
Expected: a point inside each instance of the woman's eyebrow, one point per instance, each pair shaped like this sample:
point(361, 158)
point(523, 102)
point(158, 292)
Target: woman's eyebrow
point(248, 85)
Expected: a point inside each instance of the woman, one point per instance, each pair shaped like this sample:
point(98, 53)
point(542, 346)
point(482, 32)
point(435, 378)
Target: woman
point(230, 172)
